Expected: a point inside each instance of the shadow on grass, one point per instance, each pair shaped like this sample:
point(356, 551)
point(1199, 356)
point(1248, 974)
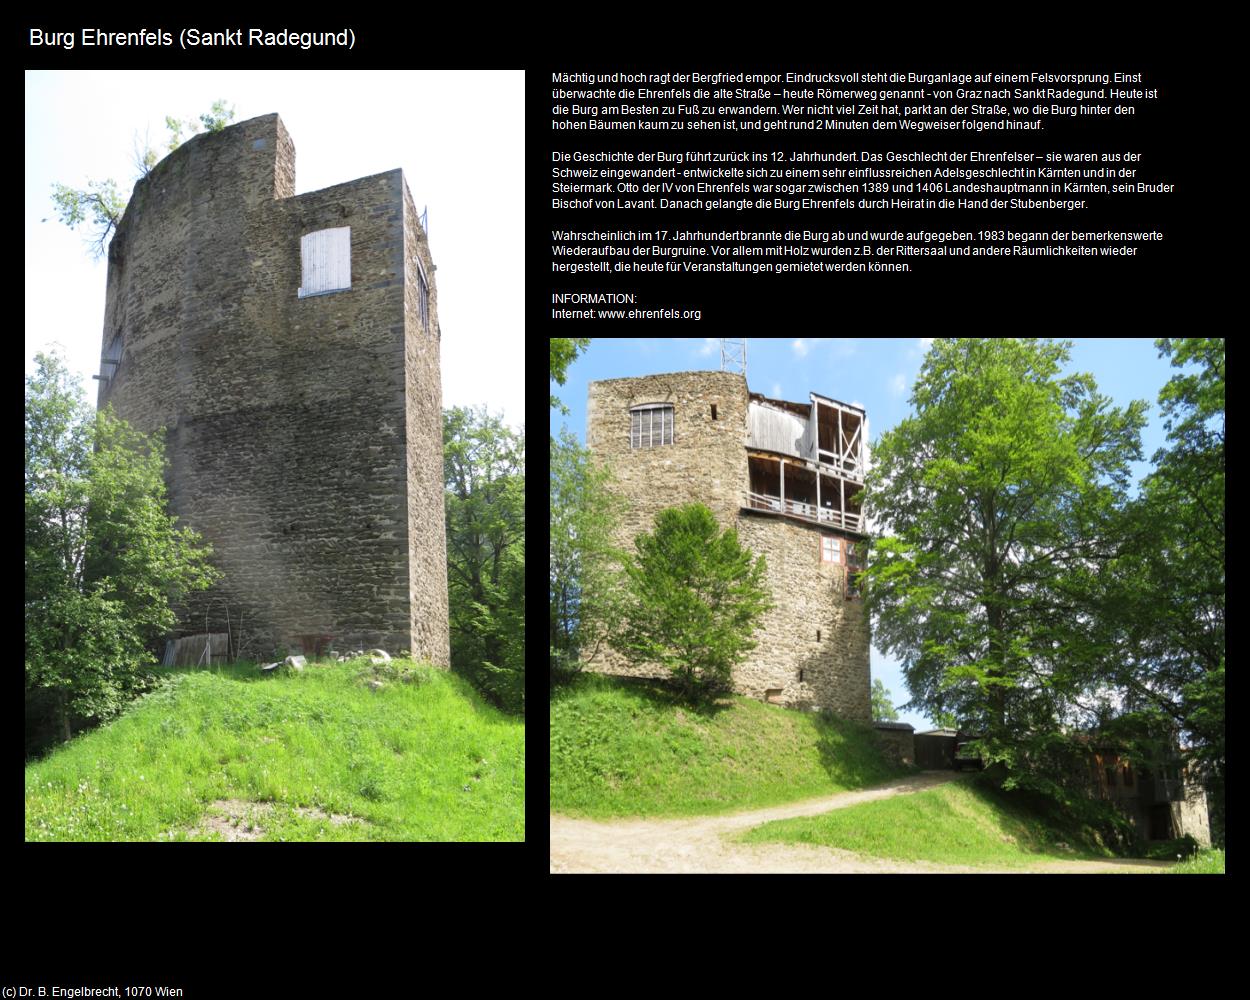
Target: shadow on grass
point(241, 671)
point(1041, 825)
point(657, 691)
point(850, 754)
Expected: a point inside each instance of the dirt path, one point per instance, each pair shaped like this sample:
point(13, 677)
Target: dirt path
point(699, 844)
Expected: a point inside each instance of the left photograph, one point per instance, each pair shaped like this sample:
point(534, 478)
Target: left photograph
point(275, 457)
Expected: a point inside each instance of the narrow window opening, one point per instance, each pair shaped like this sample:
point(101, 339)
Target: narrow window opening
point(818, 635)
point(713, 411)
point(800, 676)
point(423, 297)
point(854, 569)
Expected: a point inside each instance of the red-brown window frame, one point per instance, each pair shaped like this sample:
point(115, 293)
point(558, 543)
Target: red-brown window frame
point(843, 561)
point(821, 550)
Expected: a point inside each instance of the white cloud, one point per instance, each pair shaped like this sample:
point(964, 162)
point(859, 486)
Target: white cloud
point(800, 348)
point(776, 390)
point(709, 346)
point(898, 384)
point(925, 342)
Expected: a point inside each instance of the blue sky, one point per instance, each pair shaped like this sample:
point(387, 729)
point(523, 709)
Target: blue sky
point(876, 373)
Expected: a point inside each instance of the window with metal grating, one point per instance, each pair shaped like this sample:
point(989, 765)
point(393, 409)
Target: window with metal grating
point(650, 425)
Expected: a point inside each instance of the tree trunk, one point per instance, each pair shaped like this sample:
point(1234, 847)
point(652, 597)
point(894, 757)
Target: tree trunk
point(63, 706)
point(998, 650)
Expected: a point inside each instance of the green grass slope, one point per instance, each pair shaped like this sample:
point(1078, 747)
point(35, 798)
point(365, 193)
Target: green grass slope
point(624, 748)
point(967, 822)
point(1208, 862)
point(317, 755)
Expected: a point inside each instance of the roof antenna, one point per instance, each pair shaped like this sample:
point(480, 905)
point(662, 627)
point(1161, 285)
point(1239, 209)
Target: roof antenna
point(733, 356)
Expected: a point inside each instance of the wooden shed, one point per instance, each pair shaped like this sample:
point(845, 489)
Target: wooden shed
point(935, 749)
point(202, 650)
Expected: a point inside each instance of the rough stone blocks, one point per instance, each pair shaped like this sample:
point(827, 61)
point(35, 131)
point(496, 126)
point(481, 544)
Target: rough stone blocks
point(304, 434)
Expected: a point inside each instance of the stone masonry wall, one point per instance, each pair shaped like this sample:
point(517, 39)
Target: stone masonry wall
point(427, 541)
point(707, 463)
point(897, 741)
point(1190, 816)
point(809, 597)
point(292, 438)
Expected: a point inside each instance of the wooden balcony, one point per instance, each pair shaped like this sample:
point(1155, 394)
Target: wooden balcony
point(805, 511)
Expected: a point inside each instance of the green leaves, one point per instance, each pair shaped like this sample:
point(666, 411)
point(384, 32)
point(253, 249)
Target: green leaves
point(99, 202)
point(882, 709)
point(564, 351)
point(1167, 588)
point(584, 565)
point(994, 502)
point(694, 599)
point(218, 116)
point(103, 558)
point(484, 477)
point(101, 205)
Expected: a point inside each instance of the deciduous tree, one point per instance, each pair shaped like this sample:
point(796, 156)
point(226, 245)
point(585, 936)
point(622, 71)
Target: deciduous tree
point(882, 708)
point(996, 505)
point(484, 475)
point(1168, 591)
point(100, 205)
point(104, 560)
point(564, 351)
point(694, 598)
point(584, 570)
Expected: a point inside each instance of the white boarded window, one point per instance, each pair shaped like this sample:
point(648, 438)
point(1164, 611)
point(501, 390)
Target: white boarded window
point(325, 261)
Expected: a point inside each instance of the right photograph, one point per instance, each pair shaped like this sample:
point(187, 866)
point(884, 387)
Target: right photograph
point(856, 605)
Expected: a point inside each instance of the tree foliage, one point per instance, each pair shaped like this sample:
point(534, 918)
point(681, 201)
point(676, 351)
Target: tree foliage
point(218, 116)
point(583, 566)
point(997, 506)
point(104, 560)
point(693, 600)
point(882, 708)
point(484, 476)
point(564, 351)
point(100, 205)
point(1167, 592)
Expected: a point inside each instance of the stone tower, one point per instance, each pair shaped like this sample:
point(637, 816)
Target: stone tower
point(785, 475)
point(289, 344)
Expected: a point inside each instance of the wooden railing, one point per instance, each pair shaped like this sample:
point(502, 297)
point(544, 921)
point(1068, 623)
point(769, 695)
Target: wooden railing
point(807, 511)
point(848, 465)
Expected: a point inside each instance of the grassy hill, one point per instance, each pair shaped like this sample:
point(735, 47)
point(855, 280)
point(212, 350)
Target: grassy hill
point(325, 754)
point(629, 748)
point(968, 822)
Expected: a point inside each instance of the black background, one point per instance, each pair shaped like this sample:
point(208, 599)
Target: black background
point(257, 920)
point(1044, 295)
